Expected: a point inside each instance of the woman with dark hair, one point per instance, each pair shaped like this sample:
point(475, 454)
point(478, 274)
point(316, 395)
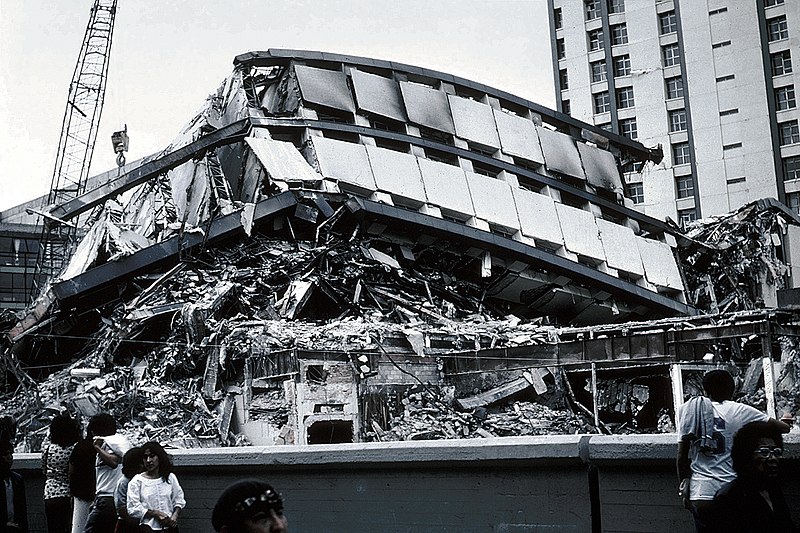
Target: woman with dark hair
point(155, 497)
point(131, 465)
point(82, 480)
point(64, 433)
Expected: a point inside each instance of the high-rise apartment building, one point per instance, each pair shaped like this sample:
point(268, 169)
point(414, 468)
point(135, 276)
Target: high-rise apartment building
point(712, 81)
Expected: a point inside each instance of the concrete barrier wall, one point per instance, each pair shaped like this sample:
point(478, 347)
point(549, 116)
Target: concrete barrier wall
point(520, 484)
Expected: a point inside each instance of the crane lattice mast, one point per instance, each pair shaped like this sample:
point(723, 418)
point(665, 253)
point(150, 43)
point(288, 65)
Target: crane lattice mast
point(76, 144)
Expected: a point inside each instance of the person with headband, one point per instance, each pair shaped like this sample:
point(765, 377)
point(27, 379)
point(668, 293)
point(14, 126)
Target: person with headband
point(249, 506)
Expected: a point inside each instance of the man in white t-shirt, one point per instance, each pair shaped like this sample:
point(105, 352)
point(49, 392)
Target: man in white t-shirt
point(110, 448)
point(706, 427)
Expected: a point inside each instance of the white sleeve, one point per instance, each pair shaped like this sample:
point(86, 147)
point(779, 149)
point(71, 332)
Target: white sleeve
point(686, 421)
point(178, 499)
point(747, 414)
point(135, 505)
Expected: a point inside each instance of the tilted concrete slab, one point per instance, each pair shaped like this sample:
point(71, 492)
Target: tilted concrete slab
point(325, 87)
point(474, 121)
point(600, 167)
point(281, 160)
point(518, 136)
point(560, 154)
point(397, 173)
point(446, 186)
point(581, 235)
point(537, 216)
point(427, 107)
point(378, 95)
point(659, 263)
point(346, 162)
point(492, 199)
point(620, 248)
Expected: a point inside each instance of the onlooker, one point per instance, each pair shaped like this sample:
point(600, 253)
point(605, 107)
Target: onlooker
point(64, 433)
point(249, 506)
point(706, 426)
point(13, 505)
point(155, 497)
point(81, 480)
point(8, 428)
point(110, 449)
point(754, 502)
point(131, 465)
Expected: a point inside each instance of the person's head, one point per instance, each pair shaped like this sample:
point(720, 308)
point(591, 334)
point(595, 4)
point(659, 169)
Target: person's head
point(6, 457)
point(102, 425)
point(718, 385)
point(756, 452)
point(133, 462)
point(249, 506)
point(155, 460)
point(64, 431)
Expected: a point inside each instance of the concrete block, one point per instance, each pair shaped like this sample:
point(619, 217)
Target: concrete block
point(427, 106)
point(478, 223)
point(378, 95)
point(431, 210)
point(617, 243)
point(325, 87)
point(581, 235)
point(537, 216)
point(446, 187)
point(381, 197)
point(345, 162)
point(282, 161)
point(474, 121)
point(491, 198)
point(560, 153)
point(659, 263)
point(397, 173)
point(600, 167)
point(518, 137)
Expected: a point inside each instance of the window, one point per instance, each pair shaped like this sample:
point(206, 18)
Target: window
point(674, 87)
point(777, 28)
point(561, 52)
point(720, 44)
point(595, 40)
point(671, 55)
point(619, 34)
point(622, 66)
point(558, 21)
point(592, 9)
point(781, 63)
point(718, 11)
point(625, 97)
point(791, 168)
point(784, 98)
point(667, 22)
point(602, 103)
point(727, 77)
point(565, 107)
point(793, 201)
point(598, 70)
point(770, 3)
point(686, 216)
point(627, 128)
point(563, 80)
point(677, 120)
point(789, 132)
point(729, 112)
point(684, 185)
point(616, 6)
point(680, 154)
point(606, 126)
point(635, 191)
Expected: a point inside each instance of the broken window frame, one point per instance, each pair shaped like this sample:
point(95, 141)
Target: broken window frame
point(777, 29)
point(671, 55)
point(674, 87)
point(628, 128)
point(598, 69)
point(635, 192)
point(684, 186)
point(785, 98)
point(625, 98)
point(678, 121)
point(789, 132)
point(681, 154)
point(619, 34)
point(602, 102)
point(621, 65)
point(791, 168)
point(686, 216)
point(667, 23)
point(595, 39)
point(781, 63)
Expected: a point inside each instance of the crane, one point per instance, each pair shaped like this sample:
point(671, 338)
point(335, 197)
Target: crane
point(76, 143)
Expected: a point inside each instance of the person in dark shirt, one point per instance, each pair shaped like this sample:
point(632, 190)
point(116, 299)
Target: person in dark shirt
point(13, 505)
point(753, 502)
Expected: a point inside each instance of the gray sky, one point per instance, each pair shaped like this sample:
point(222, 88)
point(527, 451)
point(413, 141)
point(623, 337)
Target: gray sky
point(167, 56)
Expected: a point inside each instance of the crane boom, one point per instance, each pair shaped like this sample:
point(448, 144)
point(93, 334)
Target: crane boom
point(76, 144)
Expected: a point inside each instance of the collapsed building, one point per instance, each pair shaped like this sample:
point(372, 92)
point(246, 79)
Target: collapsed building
point(339, 249)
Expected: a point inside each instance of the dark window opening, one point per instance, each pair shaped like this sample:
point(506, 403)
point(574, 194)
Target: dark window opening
point(330, 432)
point(316, 373)
point(431, 134)
point(440, 156)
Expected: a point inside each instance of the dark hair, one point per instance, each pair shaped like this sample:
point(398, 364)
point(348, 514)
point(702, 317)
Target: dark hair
point(132, 462)
point(102, 425)
point(719, 385)
point(243, 500)
point(64, 430)
point(164, 461)
point(745, 443)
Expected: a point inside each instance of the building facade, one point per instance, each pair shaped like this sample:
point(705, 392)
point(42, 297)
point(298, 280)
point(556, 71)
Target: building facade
point(711, 81)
